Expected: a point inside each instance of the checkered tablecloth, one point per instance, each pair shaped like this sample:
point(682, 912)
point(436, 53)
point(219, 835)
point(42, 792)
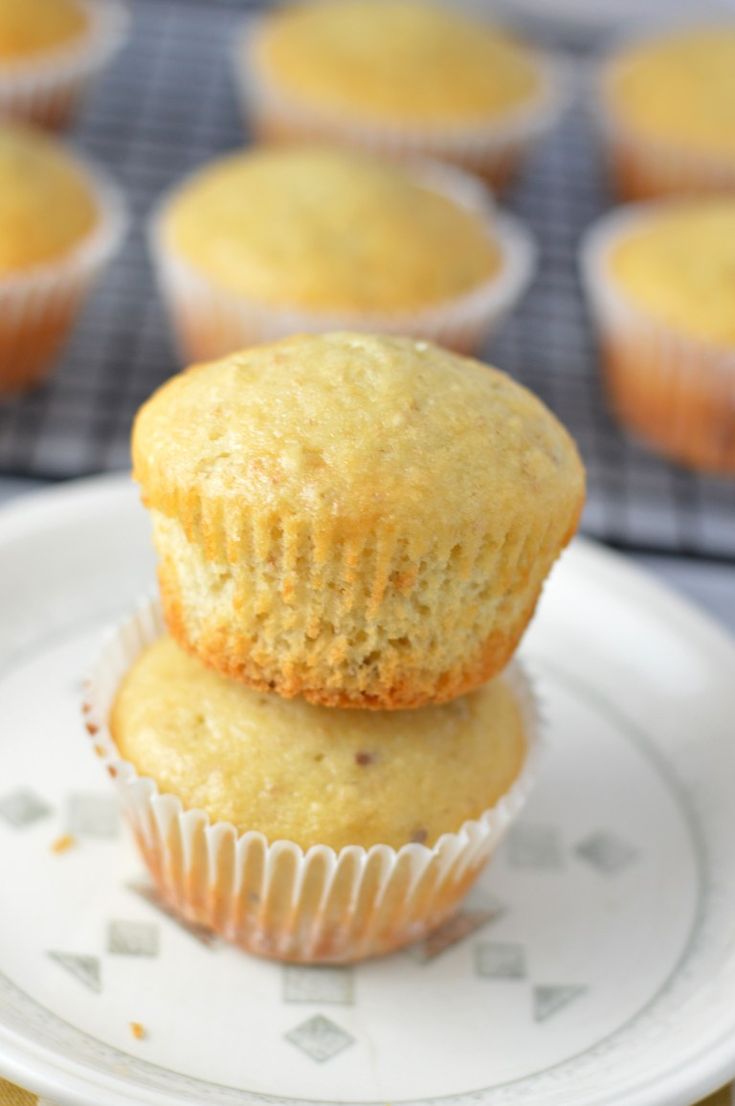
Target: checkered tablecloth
point(14, 1096)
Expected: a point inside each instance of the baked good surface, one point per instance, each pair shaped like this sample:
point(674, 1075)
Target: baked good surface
point(46, 205)
point(363, 520)
point(325, 229)
point(307, 774)
point(678, 264)
point(30, 29)
point(396, 61)
point(679, 90)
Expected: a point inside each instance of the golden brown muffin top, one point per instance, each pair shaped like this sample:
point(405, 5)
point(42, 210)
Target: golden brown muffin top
point(344, 430)
point(310, 774)
point(680, 89)
point(46, 205)
point(396, 61)
point(326, 229)
point(32, 28)
point(678, 263)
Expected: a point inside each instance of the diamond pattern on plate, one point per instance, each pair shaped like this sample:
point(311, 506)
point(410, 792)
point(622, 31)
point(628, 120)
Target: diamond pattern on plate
point(149, 894)
point(550, 998)
point(22, 808)
point(533, 845)
point(456, 929)
point(85, 969)
point(132, 938)
point(322, 985)
point(320, 1038)
point(500, 960)
point(92, 815)
point(606, 852)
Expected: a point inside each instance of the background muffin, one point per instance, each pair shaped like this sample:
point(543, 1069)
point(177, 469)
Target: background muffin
point(364, 72)
point(182, 735)
point(60, 222)
point(366, 521)
point(49, 50)
point(661, 283)
point(669, 113)
point(270, 242)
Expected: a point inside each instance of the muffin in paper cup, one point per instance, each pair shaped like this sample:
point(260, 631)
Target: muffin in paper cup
point(210, 321)
point(673, 390)
point(647, 160)
point(38, 306)
point(494, 150)
point(46, 88)
point(273, 898)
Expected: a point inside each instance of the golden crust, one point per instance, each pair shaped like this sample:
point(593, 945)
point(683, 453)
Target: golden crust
point(404, 688)
point(369, 526)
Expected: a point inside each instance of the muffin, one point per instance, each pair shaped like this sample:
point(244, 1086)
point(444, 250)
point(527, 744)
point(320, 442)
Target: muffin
point(298, 832)
point(49, 51)
point(364, 73)
point(668, 107)
point(660, 278)
point(365, 521)
point(272, 242)
point(60, 222)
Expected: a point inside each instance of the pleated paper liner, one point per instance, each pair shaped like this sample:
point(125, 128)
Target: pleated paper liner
point(273, 898)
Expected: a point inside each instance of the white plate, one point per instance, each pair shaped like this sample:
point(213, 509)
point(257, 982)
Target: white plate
point(594, 964)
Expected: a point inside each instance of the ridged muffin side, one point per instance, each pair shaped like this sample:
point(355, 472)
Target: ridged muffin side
point(363, 521)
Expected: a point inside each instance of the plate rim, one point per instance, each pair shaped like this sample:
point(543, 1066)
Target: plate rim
point(71, 1083)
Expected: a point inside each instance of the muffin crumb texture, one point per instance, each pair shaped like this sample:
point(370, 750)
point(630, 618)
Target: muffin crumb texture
point(298, 772)
point(365, 521)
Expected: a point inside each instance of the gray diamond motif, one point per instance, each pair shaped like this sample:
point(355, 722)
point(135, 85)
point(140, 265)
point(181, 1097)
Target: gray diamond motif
point(531, 845)
point(320, 1038)
point(132, 938)
point(549, 999)
point(606, 852)
point(22, 808)
point(456, 929)
point(149, 894)
point(498, 960)
point(86, 969)
point(321, 985)
point(90, 815)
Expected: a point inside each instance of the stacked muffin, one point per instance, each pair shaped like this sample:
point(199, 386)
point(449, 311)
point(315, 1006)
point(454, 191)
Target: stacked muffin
point(353, 532)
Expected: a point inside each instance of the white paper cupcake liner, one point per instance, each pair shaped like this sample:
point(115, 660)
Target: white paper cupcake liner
point(45, 90)
point(643, 167)
point(276, 899)
point(674, 391)
point(38, 307)
point(210, 322)
point(494, 150)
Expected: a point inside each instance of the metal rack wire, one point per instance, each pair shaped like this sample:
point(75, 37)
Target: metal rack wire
point(167, 105)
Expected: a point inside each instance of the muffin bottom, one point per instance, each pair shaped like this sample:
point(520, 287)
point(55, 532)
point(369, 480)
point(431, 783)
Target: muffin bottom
point(338, 931)
point(498, 167)
point(398, 685)
point(643, 170)
point(30, 341)
point(682, 405)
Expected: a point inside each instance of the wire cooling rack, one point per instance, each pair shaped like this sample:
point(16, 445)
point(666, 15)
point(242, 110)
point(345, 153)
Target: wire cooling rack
point(167, 105)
